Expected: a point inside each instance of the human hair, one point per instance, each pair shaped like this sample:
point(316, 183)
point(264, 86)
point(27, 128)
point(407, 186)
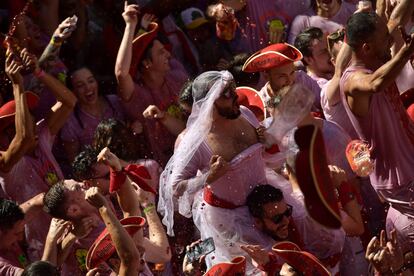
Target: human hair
point(360, 28)
point(240, 77)
point(186, 93)
point(304, 40)
point(115, 135)
point(82, 166)
point(41, 268)
point(314, 4)
point(10, 213)
point(54, 199)
point(333, 38)
point(260, 196)
point(147, 53)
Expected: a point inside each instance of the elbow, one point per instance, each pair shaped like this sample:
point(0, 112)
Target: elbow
point(72, 102)
point(120, 73)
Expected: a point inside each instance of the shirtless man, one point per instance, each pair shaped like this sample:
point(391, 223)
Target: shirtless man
point(220, 142)
point(371, 99)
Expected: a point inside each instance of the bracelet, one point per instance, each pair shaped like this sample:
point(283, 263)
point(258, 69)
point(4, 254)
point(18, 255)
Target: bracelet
point(149, 208)
point(40, 73)
point(55, 43)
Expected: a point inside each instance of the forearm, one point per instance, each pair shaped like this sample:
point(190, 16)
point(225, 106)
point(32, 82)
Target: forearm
point(32, 207)
point(383, 77)
point(50, 251)
point(157, 245)
point(123, 243)
point(123, 59)
point(123, 63)
point(23, 119)
point(60, 91)
point(51, 52)
point(65, 248)
point(174, 125)
point(400, 15)
point(128, 199)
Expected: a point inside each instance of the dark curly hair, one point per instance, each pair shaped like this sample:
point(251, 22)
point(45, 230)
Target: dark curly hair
point(118, 138)
point(41, 268)
point(260, 196)
point(54, 199)
point(82, 166)
point(10, 213)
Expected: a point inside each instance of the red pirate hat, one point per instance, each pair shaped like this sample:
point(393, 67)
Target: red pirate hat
point(314, 178)
point(236, 267)
point(139, 45)
point(407, 97)
point(8, 110)
point(301, 261)
point(275, 55)
point(103, 248)
point(251, 99)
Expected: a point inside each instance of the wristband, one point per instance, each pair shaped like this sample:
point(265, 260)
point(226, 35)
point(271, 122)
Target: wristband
point(55, 43)
point(136, 173)
point(149, 208)
point(39, 73)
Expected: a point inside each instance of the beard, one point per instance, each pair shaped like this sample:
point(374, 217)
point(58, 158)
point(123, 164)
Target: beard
point(229, 113)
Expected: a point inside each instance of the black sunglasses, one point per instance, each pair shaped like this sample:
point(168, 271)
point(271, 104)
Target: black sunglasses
point(278, 218)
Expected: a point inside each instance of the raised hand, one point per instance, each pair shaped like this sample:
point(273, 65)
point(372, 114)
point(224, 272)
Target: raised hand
point(130, 14)
point(408, 39)
point(82, 229)
point(13, 68)
point(258, 254)
point(338, 175)
point(109, 159)
point(147, 19)
point(65, 29)
point(57, 228)
point(29, 60)
point(153, 112)
point(218, 167)
point(95, 198)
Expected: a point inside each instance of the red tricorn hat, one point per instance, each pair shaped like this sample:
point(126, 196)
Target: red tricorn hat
point(8, 110)
point(251, 99)
point(103, 248)
point(275, 55)
point(301, 261)
point(236, 267)
point(139, 45)
point(314, 179)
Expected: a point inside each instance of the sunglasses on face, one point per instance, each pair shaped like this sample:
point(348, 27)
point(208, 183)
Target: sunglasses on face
point(278, 218)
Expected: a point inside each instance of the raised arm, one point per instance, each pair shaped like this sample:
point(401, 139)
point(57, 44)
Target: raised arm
point(24, 137)
point(123, 242)
point(157, 247)
point(174, 125)
point(123, 59)
point(56, 230)
point(66, 99)
point(385, 75)
point(51, 52)
point(332, 91)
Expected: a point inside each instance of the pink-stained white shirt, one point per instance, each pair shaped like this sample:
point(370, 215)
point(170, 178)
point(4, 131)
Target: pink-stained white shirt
point(390, 133)
point(30, 176)
point(81, 127)
point(159, 139)
point(336, 113)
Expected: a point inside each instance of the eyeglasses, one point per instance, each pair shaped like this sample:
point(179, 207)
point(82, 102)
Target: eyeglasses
point(278, 218)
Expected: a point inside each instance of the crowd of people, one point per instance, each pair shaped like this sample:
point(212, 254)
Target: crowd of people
point(231, 137)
